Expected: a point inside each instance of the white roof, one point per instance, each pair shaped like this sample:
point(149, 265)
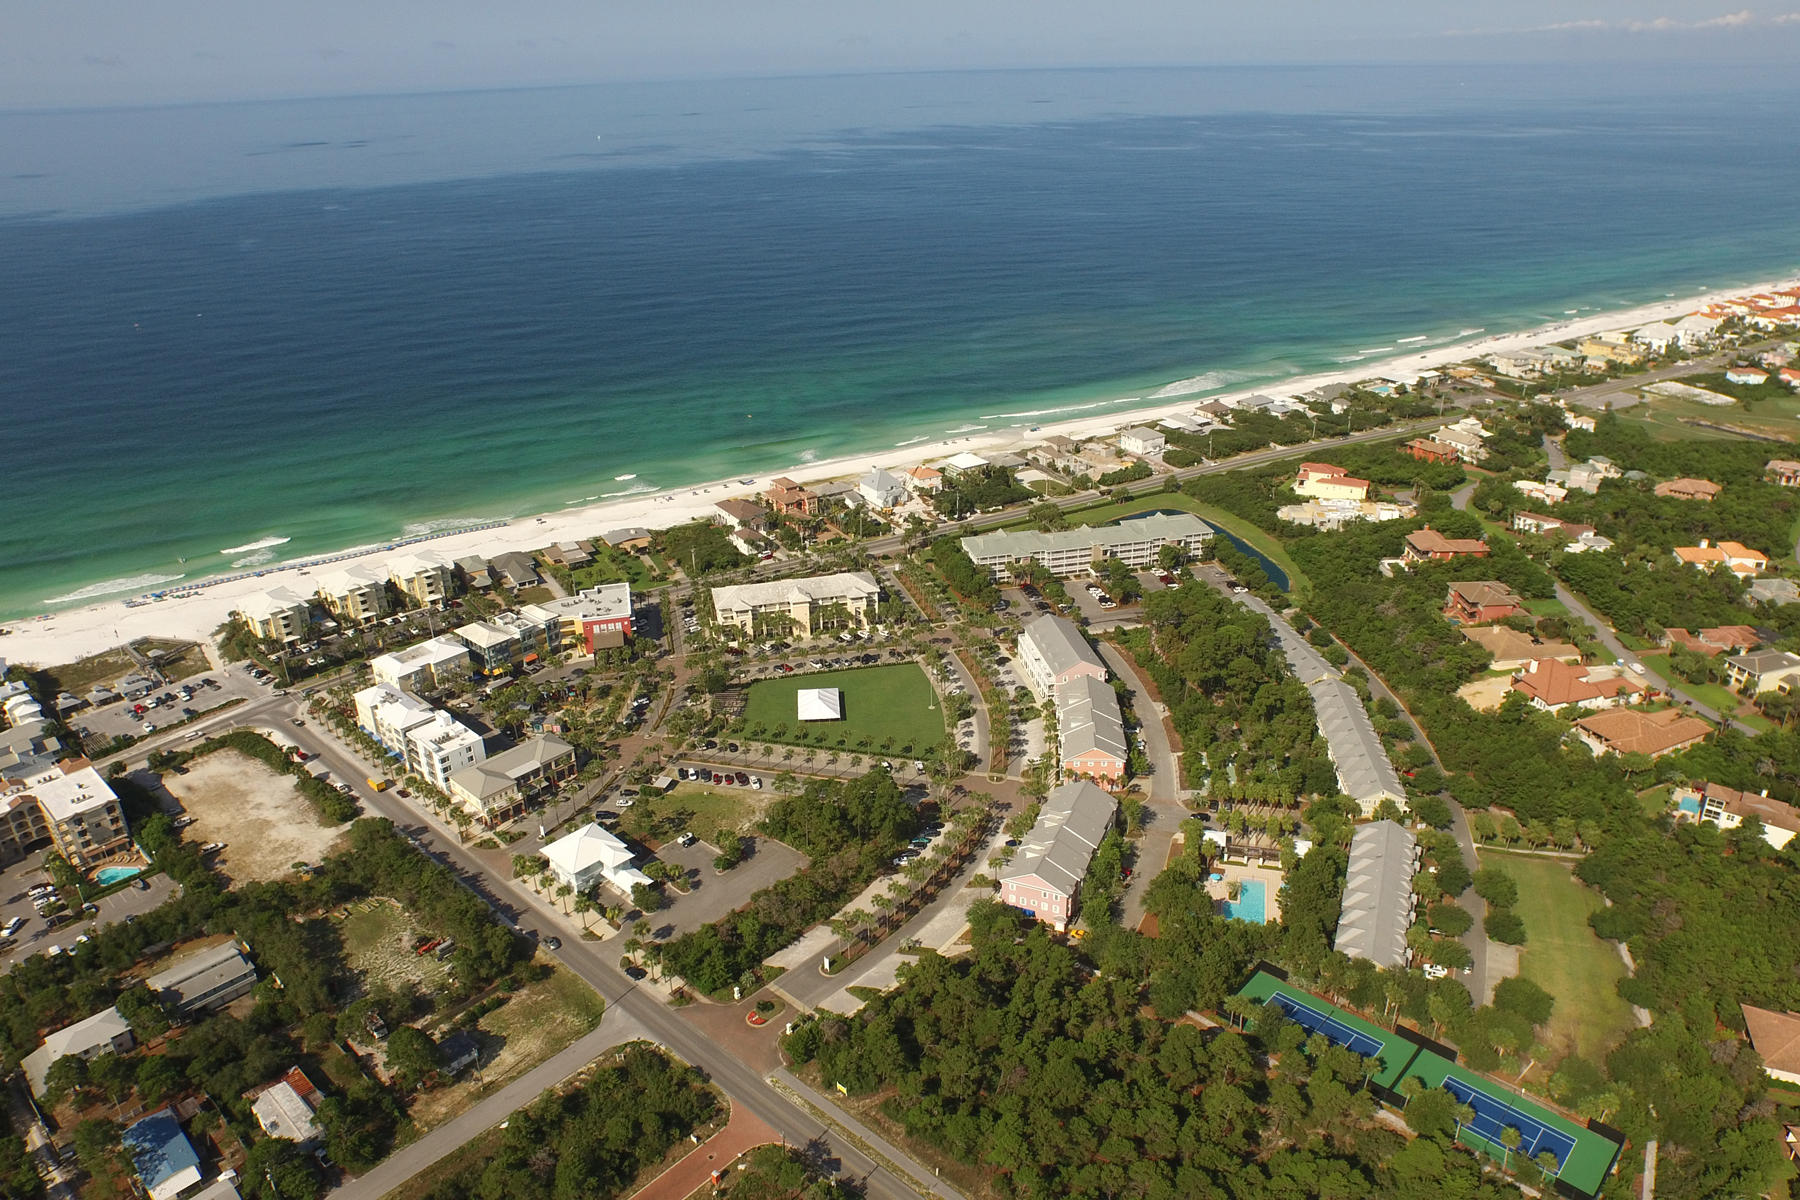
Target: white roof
point(434, 653)
point(607, 601)
point(97, 1030)
point(417, 563)
point(346, 577)
point(966, 461)
point(1141, 434)
point(587, 848)
point(283, 1114)
point(64, 796)
point(816, 588)
point(821, 704)
point(1378, 896)
point(260, 606)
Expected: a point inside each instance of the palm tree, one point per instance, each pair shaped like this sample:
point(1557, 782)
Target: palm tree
point(1510, 1139)
point(1242, 1009)
point(1464, 1114)
point(584, 904)
point(564, 892)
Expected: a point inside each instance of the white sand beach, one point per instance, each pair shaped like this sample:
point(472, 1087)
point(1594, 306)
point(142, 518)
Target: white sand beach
point(201, 607)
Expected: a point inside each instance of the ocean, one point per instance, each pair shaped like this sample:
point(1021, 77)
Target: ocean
point(232, 334)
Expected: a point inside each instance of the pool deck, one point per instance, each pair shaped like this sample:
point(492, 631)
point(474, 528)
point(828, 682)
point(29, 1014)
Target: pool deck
point(1268, 876)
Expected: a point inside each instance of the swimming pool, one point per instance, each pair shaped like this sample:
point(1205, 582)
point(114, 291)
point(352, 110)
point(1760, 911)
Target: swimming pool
point(1252, 897)
point(107, 876)
point(1690, 805)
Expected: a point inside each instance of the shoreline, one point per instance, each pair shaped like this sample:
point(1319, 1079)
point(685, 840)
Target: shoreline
point(193, 609)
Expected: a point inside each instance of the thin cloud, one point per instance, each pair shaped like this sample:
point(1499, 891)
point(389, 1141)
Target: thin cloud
point(1742, 19)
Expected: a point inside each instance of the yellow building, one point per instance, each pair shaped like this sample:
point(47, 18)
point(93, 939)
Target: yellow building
point(353, 592)
point(425, 576)
point(277, 615)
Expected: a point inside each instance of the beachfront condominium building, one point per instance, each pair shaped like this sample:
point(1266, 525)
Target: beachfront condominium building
point(77, 811)
point(798, 606)
point(353, 591)
point(277, 614)
point(1052, 651)
point(596, 619)
point(500, 788)
point(438, 748)
point(1069, 552)
point(424, 576)
point(436, 663)
point(1044, 879)
point(510, 639)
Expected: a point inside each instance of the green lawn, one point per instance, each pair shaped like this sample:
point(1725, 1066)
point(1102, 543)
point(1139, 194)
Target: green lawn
point(888, 710)
point(1261, 539)
point(1548, 607)
point(1564, 957)
point(694, 806)
point(1714, 695)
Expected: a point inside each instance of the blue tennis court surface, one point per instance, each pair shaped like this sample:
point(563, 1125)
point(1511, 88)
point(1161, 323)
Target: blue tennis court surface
point(1493, 1114)
point(1314, 1021)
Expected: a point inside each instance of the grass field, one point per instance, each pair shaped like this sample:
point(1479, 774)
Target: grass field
point(889, 710)
point(1671, 420)
point(1261, 539)
point(693, 806)
point(1714, 695)
point(378, 936)
point(1562, 956)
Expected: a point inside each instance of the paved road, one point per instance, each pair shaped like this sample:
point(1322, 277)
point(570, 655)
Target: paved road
point(615, 1029)
point(1165, 768)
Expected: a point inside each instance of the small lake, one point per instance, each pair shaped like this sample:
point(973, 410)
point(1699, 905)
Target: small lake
point(1276, 575)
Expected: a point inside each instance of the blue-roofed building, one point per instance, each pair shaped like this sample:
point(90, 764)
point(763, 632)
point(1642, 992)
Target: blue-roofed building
point(164, 1158)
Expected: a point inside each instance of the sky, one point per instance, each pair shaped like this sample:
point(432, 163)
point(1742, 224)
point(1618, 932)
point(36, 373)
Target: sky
point(89, 53)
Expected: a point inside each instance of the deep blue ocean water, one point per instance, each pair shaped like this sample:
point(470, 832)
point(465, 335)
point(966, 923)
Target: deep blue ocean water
point(337, 321)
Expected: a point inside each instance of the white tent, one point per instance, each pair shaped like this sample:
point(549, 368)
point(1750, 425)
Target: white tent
point(821, 704)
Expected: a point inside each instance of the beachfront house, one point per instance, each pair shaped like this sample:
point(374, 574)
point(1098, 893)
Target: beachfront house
point(1146, 443)
point(801, 607)
point(498, 789)
point(1065, 552)
point(353, 591)
point(1044, 878)
point(790, 499)
point(927, 481)
point(515, 570)
point(277, 614)
point(881, 490)
point(1697, 329)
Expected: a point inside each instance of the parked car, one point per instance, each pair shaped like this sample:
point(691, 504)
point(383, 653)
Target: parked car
point(743, 779)
point(686, 839)
point(756, 782)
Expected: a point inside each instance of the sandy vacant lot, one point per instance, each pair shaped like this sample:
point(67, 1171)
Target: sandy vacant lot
point(1485, 695)
point(266, 825)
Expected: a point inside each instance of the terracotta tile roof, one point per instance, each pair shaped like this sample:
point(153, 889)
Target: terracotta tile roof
point(1628, 731)
point(1556, 683)
point(1686, 489)
point(1775, 1036)
point(1430, 541)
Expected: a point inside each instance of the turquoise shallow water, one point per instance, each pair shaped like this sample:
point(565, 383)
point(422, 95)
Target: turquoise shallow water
point(315, 333)
point(1250, 904)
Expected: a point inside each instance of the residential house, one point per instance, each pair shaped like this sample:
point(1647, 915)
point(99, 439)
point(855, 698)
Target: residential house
point(106, 1032)
point(1379, 902)
point(1146, 443)
point(1719, 639)
point(882, 490)
point(1784, 471)
point(1746, 376)
point(162, 1155)
point(1762, 671)
point(956, 464)
point(427, 665)
point(424, 575)
point(1729, 808)
point(743, 514)
point(1658, 336)
point(1790, 376)
point(1468, 445)
point(1090, 731)
point(592, 855)
point(77, 810)
point(595, 619)
point(1525, 363)
point(1775, 1036)
point(632, 537)
point(1689, 489)
point(515, 570)
point(1427, 544)
point(1736, 557)
point(1588, 476)
point(477, 574)
point(459, 1052)
point(277, 614)
point(1326, 482)
point(284, 1109)
point(1628, 731)
point(808, 605)
point(1530, 522)
point(790, 499)
point(1512, 649)
point(1044, 878)
point(1332, 515)
point(1136, 542)
point(1582, 421)
point(573, 555)
point(1697, 329)
point(924, 480)
point(1052, 652)
point(1480, 601)
point(204, 980)
point(751, 544)
point(1774, 591)
point(1610, 348)
point(1432, 450)
point(353, 591)
point(1550, 684)
point(498, 789)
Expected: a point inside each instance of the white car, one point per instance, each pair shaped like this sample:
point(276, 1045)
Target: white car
point(756, 782)
point(1433, 971)
point(625, 802)
point(12, 927)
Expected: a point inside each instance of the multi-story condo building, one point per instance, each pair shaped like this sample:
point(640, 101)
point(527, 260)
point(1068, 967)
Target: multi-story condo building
point(1068, 552)
point(510, 640)
point(1052, 652)
point(803, 606)
point(278, 615)
point(595, 619)
point(424, 666)
point(353, 591)
point(502, 787)
point(438, 748)
point(77, 811)
point(1045, 879)
point(424, 575)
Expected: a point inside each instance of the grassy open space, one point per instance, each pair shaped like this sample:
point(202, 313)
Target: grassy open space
point(378, 936)
point(1671, 420)
point(1714, 695)
point(889, 710)
point(1564, 957)
point(1261, 539)
point(696, 806)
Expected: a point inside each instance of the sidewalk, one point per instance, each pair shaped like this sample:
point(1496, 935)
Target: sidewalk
point(743, 1132)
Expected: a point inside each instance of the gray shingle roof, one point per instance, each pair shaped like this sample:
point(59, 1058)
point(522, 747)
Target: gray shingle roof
point(1378, 897)
point(1060, 644)
point(1069, 827)
point(1088, 718)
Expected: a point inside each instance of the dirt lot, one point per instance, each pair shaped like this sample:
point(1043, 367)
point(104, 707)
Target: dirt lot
point(538, 1021)
point(266, 825)
point(1485, 695)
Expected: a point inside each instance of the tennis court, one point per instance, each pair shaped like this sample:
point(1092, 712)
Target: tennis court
point(1494, 1115)
point(1314, 1021)
point(1317, 1015)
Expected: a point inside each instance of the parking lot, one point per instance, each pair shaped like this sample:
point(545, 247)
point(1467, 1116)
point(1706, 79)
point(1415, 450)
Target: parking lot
point(714, 895)
point(36, 934)
point(120, 718)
